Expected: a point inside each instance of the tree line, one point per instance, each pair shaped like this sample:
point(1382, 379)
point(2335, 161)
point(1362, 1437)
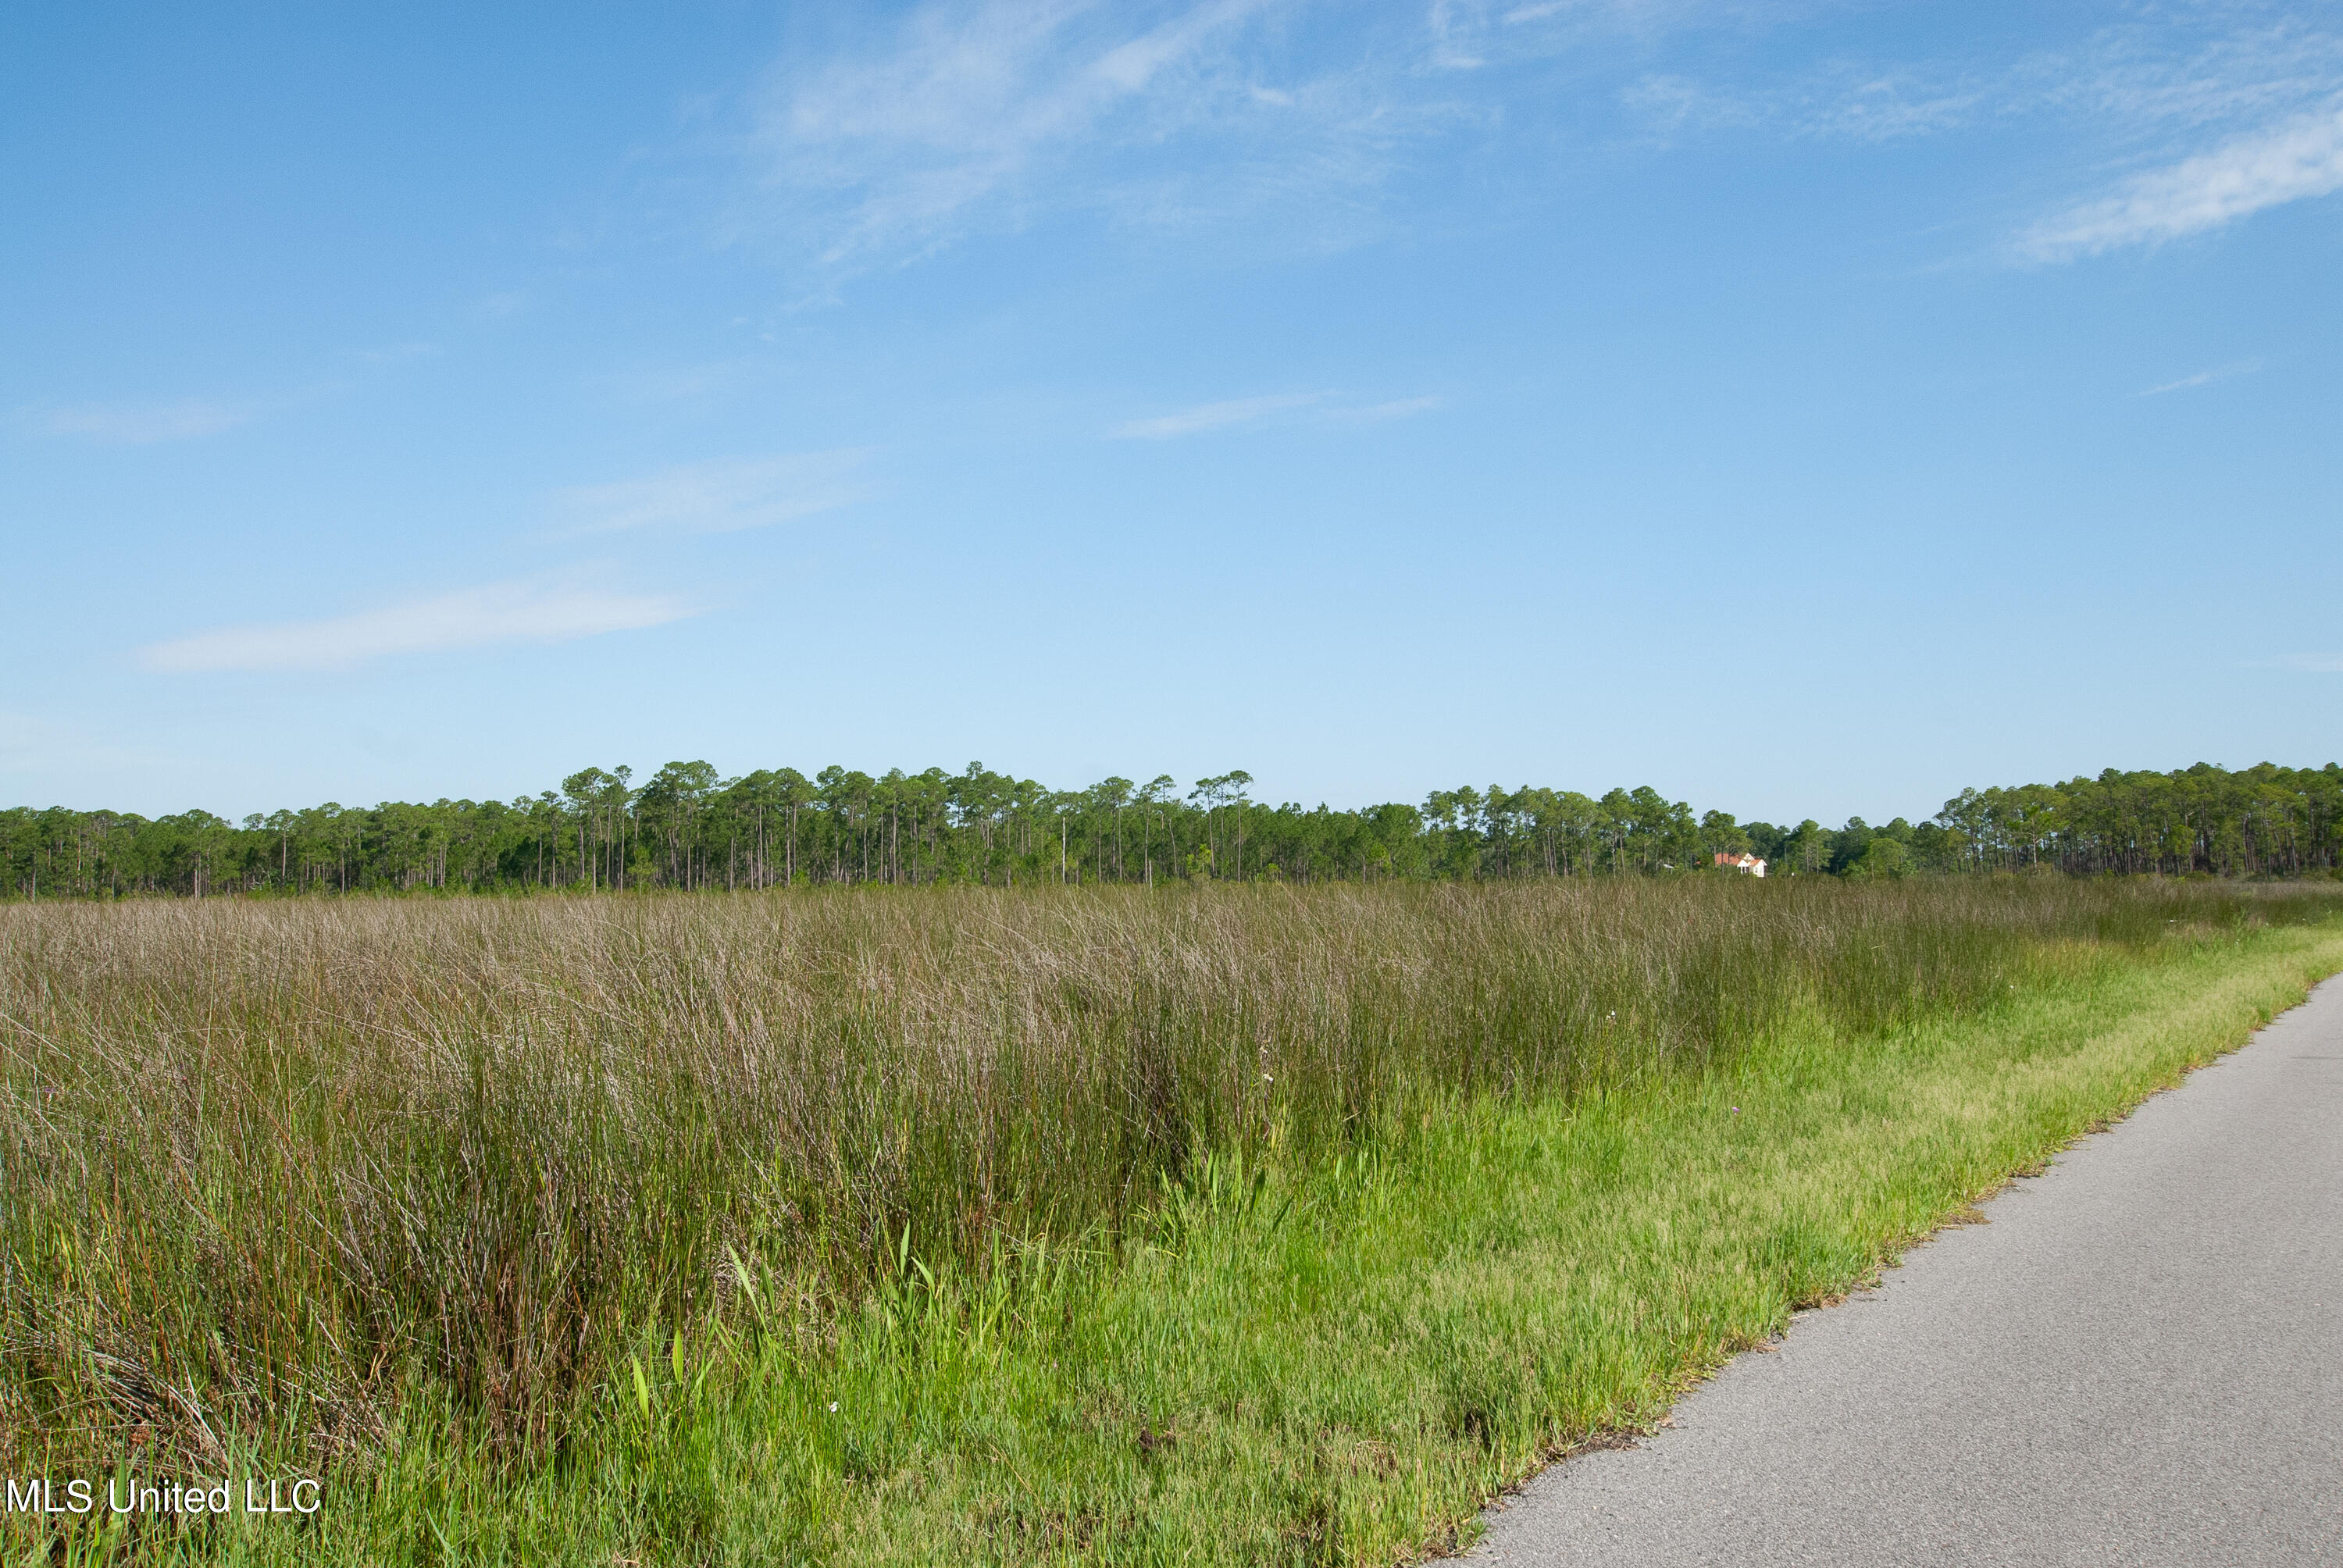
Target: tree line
point(685, 827)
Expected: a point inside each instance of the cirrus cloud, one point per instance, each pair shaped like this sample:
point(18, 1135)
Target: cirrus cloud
point(1219, 415)
point(2301, 158)
point(960, 105)
point(721, 498)
point(141, 424)
point(1236, 413)
point(529, 611)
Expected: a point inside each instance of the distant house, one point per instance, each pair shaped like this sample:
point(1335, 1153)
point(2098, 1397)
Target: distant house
point(1741, 862)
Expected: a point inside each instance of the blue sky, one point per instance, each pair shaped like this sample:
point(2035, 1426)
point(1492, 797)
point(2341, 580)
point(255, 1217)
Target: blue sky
point(1804, 408)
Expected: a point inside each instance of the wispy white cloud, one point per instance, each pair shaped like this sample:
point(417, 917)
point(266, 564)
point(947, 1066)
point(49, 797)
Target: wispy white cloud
point(2126, 91)
point(2234, 113)
point(1381, 413)
point(1473, 34)
point(530, 611)
point(1891, 106)
point(2202, 378)
point(963, 103)
point(2246, 175)
point(141, 424)
point(2304, 663)
point(1452, 26)
point(138, 423)
point(1311, 408)
point(1838, 100)
point(1213, 416)
point(1259, 118)
point(2233, 69)
point(981, 115)
point(721, 498)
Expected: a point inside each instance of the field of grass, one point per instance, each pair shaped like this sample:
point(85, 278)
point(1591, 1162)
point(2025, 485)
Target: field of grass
point(1232, 1226)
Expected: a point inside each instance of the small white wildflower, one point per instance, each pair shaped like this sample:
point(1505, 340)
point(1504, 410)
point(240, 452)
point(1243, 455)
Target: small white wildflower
point(834, 1407)
point(1267, 1079)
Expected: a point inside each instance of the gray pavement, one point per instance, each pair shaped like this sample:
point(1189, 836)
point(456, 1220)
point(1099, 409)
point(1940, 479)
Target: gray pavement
point(2138, 1360)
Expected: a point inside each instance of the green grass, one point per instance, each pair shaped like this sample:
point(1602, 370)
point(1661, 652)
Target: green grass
point(1384, 1208)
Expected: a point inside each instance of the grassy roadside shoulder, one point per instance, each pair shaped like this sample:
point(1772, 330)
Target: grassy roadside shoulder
point(1337, 1366)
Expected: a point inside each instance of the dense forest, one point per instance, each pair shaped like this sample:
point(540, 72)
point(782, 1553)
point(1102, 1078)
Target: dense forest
point(686, 827)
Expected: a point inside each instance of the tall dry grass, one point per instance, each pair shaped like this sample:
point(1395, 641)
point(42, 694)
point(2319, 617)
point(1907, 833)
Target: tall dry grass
point(271, 1167)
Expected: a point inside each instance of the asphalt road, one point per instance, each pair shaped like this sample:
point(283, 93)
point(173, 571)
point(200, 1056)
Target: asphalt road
point(2138, 1360)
